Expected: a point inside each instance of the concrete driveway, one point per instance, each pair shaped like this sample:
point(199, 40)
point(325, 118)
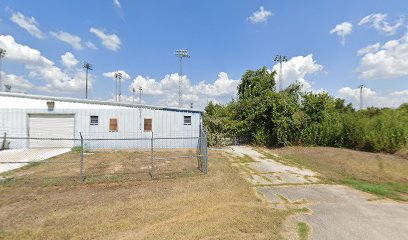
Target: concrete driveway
point(337, 212)
point(16, 158)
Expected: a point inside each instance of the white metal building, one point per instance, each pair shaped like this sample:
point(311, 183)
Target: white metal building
point(31, 117)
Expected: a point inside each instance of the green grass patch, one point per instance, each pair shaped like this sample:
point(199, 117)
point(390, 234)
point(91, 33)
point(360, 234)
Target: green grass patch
point(8, 182)
point(247, 159)
point(303, 230)
point(283, 198)
point(76, 149)
point(379, 174)
point(389, 190)
point(304, 210)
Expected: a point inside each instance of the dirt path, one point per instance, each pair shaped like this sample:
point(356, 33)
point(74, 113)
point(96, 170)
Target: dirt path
point(337, 212)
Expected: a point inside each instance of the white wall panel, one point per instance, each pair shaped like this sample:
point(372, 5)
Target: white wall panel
point(166, 123)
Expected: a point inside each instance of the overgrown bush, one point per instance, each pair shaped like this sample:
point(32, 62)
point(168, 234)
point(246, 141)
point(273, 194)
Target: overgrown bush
point(263, 116)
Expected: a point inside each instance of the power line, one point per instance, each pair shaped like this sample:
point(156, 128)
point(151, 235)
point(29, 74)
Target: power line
point(181, 54)
point(280, 59)
point(87, 67)
point(2, 55)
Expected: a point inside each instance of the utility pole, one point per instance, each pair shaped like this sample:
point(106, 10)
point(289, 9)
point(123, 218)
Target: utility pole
point(140, 95)
point(87, 67)
point(133, 99)
point(181, 54)
point(2, 55)
point(280, 59)
point(118, 77)
point(361, 96)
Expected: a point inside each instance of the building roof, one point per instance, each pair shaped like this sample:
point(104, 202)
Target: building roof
point(97, 102)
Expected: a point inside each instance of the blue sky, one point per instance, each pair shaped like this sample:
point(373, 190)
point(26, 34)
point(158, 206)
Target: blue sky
point(322, 40)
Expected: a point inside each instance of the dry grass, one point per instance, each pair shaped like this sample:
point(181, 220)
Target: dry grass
point(382, 174)
point(220, 205)
point(103, 166)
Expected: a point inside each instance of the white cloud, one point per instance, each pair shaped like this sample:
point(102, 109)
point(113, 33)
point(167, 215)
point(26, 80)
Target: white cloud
point(21, 53)
point(73, 40)
point(373, 99)
point(110, 41)
point(111, 75)
point(90, 45)
point(17, 83)
point(387, 61)
point(27, 23)
point(223, 86)
point(260, 16)
point(296, 69)
point(69, 60)
point(165, 91)
point(401, 93)
point(41, 68)
point(117, 3)
point(342, 30)
point(369, 49)
point(378, 22)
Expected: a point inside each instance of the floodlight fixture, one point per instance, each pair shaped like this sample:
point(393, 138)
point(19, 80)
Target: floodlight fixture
point(2, 53)
point(182, 53)
point(118, 77)
point(280, 59)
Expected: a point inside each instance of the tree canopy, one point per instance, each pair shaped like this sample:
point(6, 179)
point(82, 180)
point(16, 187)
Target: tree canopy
point(261, 115)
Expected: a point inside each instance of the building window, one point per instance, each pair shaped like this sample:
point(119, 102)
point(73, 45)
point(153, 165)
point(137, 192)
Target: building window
point(94, 120)
point(187, 120)
point(147, 124)
point(113, 125)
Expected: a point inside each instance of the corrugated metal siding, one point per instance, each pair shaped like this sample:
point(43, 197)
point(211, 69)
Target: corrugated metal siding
point(52, 126)
point(130, 125)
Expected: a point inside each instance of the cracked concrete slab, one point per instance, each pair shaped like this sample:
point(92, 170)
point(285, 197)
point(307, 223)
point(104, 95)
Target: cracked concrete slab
point(340, 212)
point(16, 158)
point(337, 212)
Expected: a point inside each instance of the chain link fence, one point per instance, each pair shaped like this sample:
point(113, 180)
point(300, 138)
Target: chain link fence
point(54, 161)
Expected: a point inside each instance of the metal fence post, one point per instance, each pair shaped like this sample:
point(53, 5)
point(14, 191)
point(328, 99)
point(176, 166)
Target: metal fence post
point(206, 151)
point(81, 162)
point(200, 152)
point(151, 155)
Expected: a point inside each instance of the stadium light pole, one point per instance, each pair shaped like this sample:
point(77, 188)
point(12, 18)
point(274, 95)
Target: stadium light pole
point(118, 77)
point(361, 96)
point(181, 54)
point(133, 99)
point(140, 95)
point(280, 59)
point(2, 55)
point(87, 67)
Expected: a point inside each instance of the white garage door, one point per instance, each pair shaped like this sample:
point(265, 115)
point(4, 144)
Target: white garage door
point(51, 126)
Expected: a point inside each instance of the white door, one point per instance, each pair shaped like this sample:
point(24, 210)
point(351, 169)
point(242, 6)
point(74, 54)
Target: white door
point(51, 126)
